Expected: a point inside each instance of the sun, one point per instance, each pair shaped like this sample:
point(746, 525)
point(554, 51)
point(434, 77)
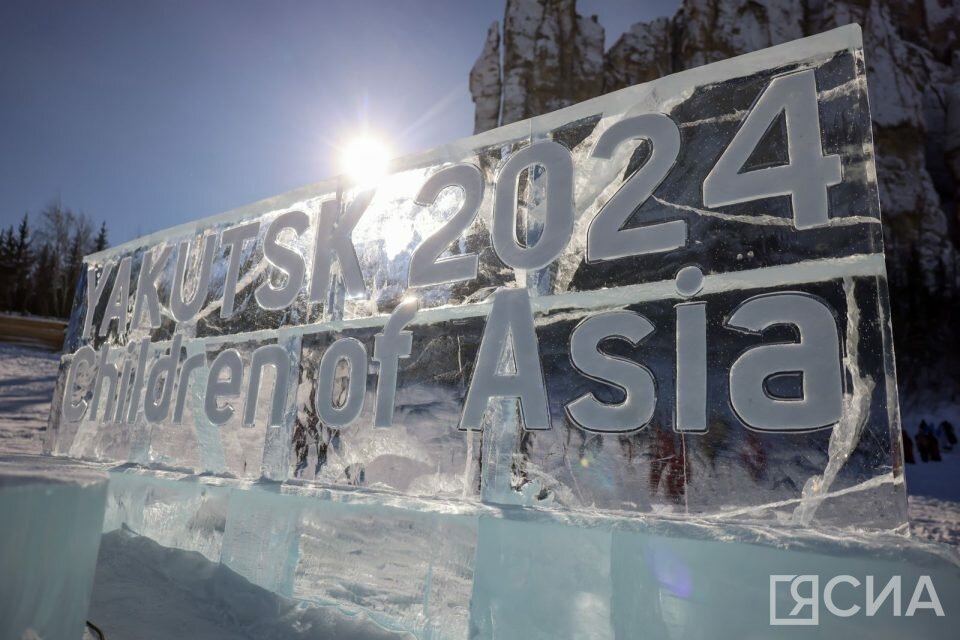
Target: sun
point(365, 159)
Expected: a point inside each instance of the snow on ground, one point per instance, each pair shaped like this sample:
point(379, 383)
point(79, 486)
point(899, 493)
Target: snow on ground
point(933, 487)
point(934, 494)
point(27, 378)
point(936, 520)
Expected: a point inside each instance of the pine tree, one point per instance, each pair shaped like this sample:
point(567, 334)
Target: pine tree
point(22, 262)
point(7, 269)
point(101, 242)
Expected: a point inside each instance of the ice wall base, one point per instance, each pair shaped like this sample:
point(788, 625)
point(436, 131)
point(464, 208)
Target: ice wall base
point(434, 569)
point(51, 519)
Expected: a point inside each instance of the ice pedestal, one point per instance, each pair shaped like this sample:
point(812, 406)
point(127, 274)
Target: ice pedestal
point(51, 514)
point(391, 566)
point(447, 569)
point(616, 579)
point(407, 566)
point(408, 569)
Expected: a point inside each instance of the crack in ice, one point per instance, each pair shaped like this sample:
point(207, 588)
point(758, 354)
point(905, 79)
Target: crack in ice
point(764, 219)
point(856, 410)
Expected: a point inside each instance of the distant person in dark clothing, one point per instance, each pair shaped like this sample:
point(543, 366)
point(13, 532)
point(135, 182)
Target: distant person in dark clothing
point(922, 447)
point(934, 449)
point(938, 436)
point(949, 434)
point(923, 441)
point(907, 448)
point(927, 443)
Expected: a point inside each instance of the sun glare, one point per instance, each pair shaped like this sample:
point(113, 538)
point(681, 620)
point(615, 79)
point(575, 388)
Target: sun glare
point(365, 159)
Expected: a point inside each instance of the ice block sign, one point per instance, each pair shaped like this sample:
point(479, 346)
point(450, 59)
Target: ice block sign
point(671, 298)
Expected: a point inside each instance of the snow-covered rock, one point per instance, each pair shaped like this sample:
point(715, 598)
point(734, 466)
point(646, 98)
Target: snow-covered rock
point(485, 82)
point(952, 129)
point(552, 57)
point(714, 30)
point(641, 54)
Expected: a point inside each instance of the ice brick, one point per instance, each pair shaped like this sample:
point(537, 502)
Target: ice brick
point(543, 577)
point(52, 513)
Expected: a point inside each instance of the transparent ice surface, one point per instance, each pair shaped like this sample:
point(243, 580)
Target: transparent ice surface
point(735, 238)
point(849, 473)
point(407, 566)
point(441, 570)
point(166, 508)
point(52, 515)
point(139, 583)
point(683, 581)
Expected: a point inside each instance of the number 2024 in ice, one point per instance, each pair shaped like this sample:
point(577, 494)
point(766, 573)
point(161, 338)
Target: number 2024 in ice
point(805, 178)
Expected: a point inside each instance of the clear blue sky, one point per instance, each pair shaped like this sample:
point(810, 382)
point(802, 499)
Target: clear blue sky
point(149, 114)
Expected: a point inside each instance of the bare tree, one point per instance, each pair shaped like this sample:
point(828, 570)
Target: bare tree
point(69, 236)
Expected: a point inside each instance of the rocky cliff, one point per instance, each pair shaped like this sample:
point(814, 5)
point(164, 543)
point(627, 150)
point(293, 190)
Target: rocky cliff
point(548, 56)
